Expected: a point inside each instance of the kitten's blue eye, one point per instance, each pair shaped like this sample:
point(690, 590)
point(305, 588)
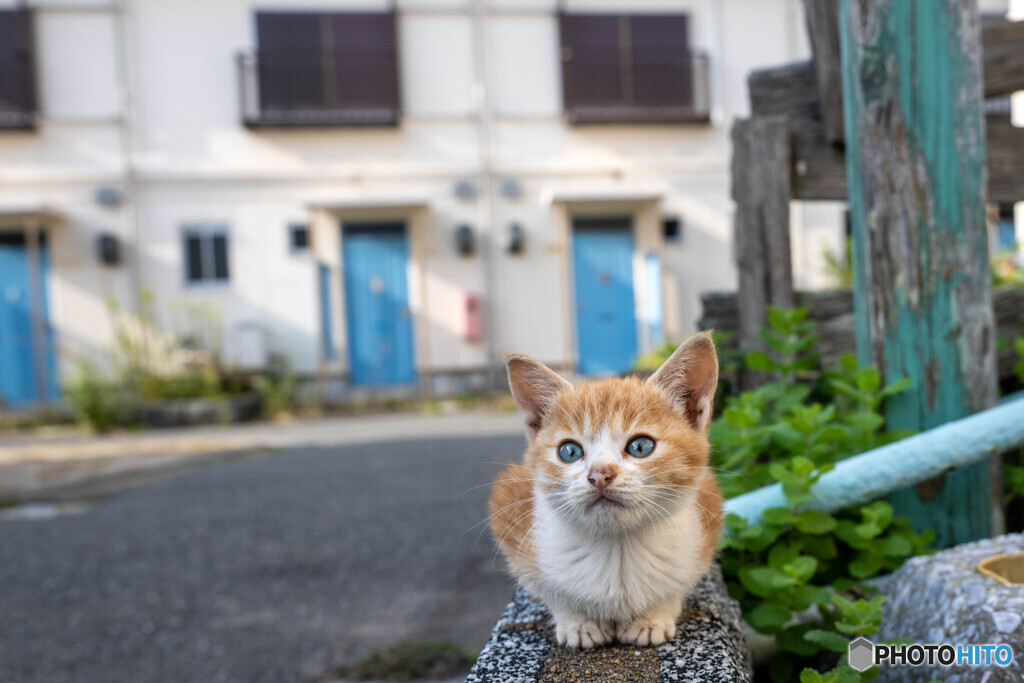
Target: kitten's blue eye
point(570, 451)
point(640, 446)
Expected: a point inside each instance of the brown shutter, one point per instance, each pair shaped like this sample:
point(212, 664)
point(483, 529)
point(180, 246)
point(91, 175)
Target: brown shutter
point(327, 68)
point(592, 68)
point(290, 62)
point(660, 50)
point(365, 69)
point(17, 69)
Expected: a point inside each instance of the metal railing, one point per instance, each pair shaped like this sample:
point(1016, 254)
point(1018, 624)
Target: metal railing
point(868, 476)
point(318, 88)
point(646, 86)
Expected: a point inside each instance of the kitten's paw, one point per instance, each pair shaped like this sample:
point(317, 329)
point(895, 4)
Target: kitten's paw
point(583, 632)
point(647, 630)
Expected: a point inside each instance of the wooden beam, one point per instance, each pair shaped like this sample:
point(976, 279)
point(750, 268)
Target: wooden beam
point(1003, 57)
point(819, 169)
point(753, 279)
point(772, 156)
point(761, 148)
point(1005, 160)
point(793, 89)
point(823, 30)
point(788, 90)
point(923, 292)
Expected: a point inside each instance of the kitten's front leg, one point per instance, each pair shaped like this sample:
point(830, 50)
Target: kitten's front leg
point(654, 627)
point(573, 629)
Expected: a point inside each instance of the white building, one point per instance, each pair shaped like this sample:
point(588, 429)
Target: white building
point(408, 189)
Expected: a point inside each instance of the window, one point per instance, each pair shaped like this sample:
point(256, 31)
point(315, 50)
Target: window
point(206, 255)
point(17, 78)
point(298, 238)
point(317, 69)
point(631, 69)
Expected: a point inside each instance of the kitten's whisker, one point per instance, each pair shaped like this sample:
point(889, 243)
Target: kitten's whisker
point(491, 516)
point(491, 483)
point(529, 533)
point(673, 487)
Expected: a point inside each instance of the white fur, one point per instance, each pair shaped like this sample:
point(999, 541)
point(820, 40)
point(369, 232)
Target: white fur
point(616, 576)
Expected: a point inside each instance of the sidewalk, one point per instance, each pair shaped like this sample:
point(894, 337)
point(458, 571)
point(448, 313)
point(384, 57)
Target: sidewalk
point(63, 467)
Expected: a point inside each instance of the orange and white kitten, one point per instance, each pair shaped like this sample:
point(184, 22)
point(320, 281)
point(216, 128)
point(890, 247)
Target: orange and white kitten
point(612, 517)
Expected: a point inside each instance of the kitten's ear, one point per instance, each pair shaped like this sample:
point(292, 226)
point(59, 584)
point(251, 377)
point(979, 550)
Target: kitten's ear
point(534, 387)
point(690, 377)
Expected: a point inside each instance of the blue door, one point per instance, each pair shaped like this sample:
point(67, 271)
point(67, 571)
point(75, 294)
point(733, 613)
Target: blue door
point(20, 379)
point(602, 251)
point(377, 304)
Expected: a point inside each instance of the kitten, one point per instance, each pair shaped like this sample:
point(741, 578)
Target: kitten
point(612, 517)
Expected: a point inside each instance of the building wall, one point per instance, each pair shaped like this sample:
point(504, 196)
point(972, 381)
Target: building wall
point(147, 101)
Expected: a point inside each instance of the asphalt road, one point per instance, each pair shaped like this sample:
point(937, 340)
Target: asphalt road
point(276, 569)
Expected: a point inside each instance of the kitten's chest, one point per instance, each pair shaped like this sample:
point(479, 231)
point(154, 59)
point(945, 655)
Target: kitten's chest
point(624, 574)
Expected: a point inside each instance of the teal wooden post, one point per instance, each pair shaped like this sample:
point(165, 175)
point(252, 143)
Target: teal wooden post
point(915, 160)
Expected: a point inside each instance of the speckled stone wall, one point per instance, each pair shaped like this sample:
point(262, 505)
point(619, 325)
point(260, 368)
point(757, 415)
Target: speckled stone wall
point(943, 598)
point(709, 646)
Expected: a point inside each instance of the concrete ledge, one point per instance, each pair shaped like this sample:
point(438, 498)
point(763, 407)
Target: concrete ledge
point(709, 646)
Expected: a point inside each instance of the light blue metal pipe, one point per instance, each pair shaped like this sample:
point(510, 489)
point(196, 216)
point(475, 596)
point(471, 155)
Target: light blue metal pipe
point(873, 474)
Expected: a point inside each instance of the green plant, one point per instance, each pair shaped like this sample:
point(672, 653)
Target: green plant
point(840, 268)
point(279, 393)
point(91, 397)
point(1013, 482)
point(1018, 367)
point(798, 566)
point(728, 359)
point(1006, 269)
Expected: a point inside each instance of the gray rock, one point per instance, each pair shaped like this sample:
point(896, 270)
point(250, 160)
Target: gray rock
point(943, 598)
point(709, 645)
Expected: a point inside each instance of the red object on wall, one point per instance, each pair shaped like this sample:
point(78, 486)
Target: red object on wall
point(474, 313)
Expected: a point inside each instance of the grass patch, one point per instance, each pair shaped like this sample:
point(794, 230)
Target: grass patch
point(412, 660)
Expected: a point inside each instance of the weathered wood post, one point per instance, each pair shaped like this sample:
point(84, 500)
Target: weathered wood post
point(915, 158)
point(761, 189)
point(823, 30)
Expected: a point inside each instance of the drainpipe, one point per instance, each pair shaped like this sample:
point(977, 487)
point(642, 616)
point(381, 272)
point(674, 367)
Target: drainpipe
point(122, 55)
point(486, 212)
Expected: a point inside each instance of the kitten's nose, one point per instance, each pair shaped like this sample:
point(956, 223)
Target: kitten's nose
point(602, 475)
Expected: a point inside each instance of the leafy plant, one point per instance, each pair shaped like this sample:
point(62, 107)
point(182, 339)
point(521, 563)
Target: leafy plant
point(1013, 482)
point(92, 398)
point(798, 566)
point(840, 268)
point(728, 358)
point(1018, 367)
point(279, 392)
point(1006, 269)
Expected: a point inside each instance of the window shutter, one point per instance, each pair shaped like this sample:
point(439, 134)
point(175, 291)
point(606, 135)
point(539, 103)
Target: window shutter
point(591, 61)
point(660, 51)
point(328, 68)
point(290, 64)
point(17, 77)
point(365, 69)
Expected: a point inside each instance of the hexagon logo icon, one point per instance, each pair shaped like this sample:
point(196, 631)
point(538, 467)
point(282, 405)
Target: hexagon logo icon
point(862, 654)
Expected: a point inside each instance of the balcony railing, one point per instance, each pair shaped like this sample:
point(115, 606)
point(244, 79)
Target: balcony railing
point(648, 86)
point(17, 92)
point(313, 89)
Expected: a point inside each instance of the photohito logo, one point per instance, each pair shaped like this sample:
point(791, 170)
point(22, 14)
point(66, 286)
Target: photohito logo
point(864, 654)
